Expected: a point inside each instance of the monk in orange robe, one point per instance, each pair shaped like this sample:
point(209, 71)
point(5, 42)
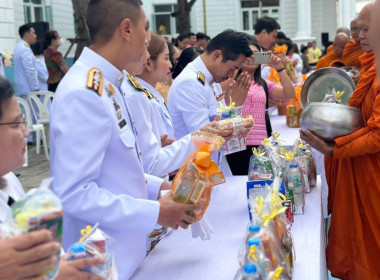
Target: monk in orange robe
point(353, 49)
point(339, 30)
point(352, 166)
point(335, 56)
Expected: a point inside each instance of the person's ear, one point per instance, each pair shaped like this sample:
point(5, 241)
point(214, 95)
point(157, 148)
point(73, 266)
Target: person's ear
point(125, 29)
point(149, 65)
point(217, 55)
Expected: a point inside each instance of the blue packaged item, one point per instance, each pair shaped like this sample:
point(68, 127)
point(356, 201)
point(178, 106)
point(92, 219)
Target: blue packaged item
point(256, 188)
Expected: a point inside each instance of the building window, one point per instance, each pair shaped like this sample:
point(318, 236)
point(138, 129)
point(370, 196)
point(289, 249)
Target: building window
point(163, 22)
point(253, 9)
point(37, 10)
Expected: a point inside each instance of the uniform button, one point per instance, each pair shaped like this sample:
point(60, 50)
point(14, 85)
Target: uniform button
point(140, 154)
point(133, 122)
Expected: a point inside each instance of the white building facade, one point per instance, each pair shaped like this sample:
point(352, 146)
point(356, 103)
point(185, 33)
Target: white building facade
point(301, 20)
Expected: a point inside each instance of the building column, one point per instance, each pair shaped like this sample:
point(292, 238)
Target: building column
point(303, 35)
point(347, 12)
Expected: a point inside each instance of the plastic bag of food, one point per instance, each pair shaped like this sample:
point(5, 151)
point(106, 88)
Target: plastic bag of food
point(192, 184)
point(40, 209)
point(333, 97)
point(94, 243)
point(260, 167)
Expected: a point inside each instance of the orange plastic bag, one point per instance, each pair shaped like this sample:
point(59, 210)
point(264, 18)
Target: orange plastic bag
point(196, 177)
point(294, 110)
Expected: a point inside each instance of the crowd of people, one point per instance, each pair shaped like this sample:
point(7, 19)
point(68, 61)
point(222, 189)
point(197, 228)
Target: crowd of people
point(121, 123)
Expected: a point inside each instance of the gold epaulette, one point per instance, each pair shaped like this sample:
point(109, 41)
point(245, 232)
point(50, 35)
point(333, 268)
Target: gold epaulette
point(201, 77)
point(95, 80)
point(137, 86)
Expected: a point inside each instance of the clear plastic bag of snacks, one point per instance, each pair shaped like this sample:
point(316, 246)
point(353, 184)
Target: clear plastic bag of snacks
point(333, 97)
point(94, 244)
point(260, 167)
point(40, 209)
point(194, 180)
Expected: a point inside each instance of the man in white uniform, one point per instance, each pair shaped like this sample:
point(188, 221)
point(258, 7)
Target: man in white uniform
point(26, 76)
point(192, 100)
point(95, 158)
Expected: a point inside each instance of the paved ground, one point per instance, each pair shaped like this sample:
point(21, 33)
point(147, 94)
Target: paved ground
point(38, 168)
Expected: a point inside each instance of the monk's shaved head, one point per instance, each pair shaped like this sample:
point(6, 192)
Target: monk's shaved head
point(340, 41)
point(345, 30)
point(363, 21)
point(354, 26)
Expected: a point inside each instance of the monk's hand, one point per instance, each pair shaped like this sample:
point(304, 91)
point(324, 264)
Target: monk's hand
point(238, 89)
point(317, 143)
point(356, 76)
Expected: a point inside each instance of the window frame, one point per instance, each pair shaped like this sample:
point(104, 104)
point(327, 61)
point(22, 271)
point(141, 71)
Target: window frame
point(173, 20)
point(261, 10)
point(44, 5)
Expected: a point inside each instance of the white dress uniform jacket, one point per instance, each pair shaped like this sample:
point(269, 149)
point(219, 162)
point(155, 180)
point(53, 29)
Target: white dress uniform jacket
point(12, 189)
point(43, 73)
point(95, 162)
point(163, 118)
point(193, 104)
point(157, 161)
point(26, 77)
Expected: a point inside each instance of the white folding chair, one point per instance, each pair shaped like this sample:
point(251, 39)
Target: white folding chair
point(40, 109)
point(38, 128)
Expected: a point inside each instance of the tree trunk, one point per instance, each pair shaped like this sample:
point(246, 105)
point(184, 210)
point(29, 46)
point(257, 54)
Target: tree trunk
point(82, 36)
point(184, 9)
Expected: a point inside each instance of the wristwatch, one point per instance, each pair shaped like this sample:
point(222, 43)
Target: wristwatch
point(280, 70)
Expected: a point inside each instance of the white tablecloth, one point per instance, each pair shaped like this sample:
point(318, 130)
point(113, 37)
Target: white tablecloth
point(179, 256)
point(288, 134)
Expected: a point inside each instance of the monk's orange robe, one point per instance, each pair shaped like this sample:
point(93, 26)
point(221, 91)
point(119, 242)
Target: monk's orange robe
point(353, 175)
point(351, 54)
point(329, 49)
point(328, 60)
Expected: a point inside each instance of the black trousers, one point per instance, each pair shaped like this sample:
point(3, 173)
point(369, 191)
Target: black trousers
point(239, 162)
point(53, 87)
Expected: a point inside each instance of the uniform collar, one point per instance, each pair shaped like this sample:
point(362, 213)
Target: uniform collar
point(110, 72)
point(24, 42)
point(147, 86)
point(200, 66)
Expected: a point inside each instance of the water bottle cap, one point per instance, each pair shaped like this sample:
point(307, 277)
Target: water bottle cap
point(253, 241)
point(250, 268)
point(254, 228)
point(77, 248)
point(293, 165)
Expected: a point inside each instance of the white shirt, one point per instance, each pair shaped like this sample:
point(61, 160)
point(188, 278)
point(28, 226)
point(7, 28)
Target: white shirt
point(26, 77)
point(163, 118)
point(95, 162)
point(157, 161)
point(43, 73)
point(12, 189)
point(192, 104)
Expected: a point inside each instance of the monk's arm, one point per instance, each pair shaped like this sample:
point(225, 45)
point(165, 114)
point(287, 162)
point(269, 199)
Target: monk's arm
point(364, 141)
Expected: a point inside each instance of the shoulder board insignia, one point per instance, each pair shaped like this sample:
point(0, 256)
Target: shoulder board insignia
point(147, 93)
point(201, 77)
point(95, 80)
point(134, 82)
point(220, 96)
point(26, 45)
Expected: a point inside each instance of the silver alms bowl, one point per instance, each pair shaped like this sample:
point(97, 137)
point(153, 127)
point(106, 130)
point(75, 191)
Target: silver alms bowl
point(329, 120)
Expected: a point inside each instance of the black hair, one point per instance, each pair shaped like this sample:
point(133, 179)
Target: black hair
point(182, 37)
point(295, 48)
point(190, 34)
point(267, 23)
point(6, 93)
point(257, 74)
point(201, 36)
point(231, 43)
point(37, 48)
point(171, 48)
point(281, 36)
point(187, 56)
point(24, 29)
point(304, 49)
point(50, 35)
point(104, 16)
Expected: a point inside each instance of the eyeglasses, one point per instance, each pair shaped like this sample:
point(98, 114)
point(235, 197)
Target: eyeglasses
point(22, 122)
